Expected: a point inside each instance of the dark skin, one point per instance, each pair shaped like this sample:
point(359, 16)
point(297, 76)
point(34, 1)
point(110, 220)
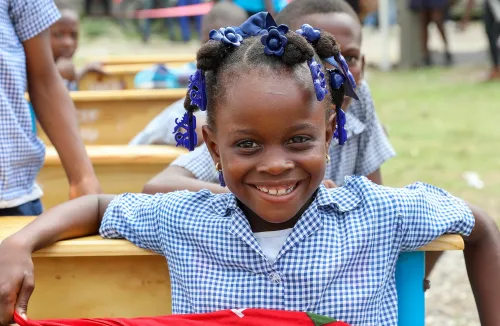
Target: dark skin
point(64, 42)
point(56, 113)
point(248, 155)
point(347, 32)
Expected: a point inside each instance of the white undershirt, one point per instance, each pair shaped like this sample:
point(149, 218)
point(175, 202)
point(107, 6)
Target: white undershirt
point(271, 242)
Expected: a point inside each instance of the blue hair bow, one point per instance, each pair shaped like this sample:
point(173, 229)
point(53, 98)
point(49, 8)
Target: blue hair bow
point(341, 65)
point(257, 24)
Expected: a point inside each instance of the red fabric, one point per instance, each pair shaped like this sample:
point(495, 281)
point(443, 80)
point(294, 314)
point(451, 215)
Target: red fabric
point(242, 317)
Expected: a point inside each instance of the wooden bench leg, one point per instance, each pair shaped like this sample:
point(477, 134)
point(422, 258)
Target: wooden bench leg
point(410, 274)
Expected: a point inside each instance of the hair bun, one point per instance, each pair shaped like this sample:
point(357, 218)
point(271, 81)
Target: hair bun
point(210, 55)
point(297, 50)
point(326, 46)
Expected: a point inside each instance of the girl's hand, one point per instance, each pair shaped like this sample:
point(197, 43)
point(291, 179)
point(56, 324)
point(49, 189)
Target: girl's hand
point(329, 183)
point(17, 280)
point(87, 186)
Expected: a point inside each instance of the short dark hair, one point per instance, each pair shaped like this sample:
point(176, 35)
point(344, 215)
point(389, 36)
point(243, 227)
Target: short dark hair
point(224, 14)
point(300, 8)
point(223, 64)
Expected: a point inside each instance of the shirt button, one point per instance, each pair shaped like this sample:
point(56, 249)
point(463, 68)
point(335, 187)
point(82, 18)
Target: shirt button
point(275, 278)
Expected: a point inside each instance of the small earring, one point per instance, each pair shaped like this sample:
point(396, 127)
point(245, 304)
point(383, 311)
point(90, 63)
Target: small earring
point(218, 167)
point(327, 158)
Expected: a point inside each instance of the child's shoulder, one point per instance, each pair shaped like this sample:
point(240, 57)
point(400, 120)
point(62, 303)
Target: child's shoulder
point(410, 196)
point(183, 202)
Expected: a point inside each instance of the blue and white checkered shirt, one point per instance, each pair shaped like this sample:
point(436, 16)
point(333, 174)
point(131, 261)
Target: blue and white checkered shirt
point(367, 146)
point(22, 153)
point(338, 261)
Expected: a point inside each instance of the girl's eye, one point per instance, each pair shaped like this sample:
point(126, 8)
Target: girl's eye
point(351, 60)
point(247, 144)
point(298, 140)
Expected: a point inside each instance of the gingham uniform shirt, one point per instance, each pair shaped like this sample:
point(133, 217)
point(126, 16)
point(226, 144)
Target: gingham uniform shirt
point(367, 146)
point(339, 260)
point(22, 153)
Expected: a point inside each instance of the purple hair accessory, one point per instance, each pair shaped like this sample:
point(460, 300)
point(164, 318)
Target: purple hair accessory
point(318, 78)
point(185, 131)
point(274, 40)
point(197, 90)
point(344, 69)
point(336, 78)
point(227, 35)
point(310, 33)
point(340, 133)
point(221, 179)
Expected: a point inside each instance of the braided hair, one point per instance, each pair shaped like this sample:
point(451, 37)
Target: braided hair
point(223, 63)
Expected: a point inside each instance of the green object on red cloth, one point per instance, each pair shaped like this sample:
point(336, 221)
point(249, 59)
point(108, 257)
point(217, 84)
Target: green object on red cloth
point(237, 317)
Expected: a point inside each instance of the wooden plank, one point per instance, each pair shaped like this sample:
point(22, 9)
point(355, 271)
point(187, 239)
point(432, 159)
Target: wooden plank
point(99, 247)
point(143, 59)
point(115, 117)
point(116, 77)
point(86, 287)
point(119, 169)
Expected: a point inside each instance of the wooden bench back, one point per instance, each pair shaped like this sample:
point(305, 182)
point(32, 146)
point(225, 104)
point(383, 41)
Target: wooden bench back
point(115, 117)
point(117, 77)
point(144, 59)
point(119, 169)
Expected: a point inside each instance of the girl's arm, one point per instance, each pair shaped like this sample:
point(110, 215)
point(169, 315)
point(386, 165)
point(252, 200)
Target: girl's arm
point(177, 178)
point(376, 176)
point(482, 258)
point(76, 218)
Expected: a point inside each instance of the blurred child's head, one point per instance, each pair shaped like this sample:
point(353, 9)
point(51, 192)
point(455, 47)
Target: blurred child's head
point(64, 34)
point(222, 14)
point(267, 126)
point(336, 17)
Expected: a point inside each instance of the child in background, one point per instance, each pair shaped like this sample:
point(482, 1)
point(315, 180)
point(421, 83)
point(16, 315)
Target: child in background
point(279, 240)
point(64, 41)
point(26, 63)
point(367, 147)
point(160, 130)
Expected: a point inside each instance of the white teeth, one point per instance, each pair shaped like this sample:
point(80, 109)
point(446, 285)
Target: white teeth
point(276, 191)
point(282, 191)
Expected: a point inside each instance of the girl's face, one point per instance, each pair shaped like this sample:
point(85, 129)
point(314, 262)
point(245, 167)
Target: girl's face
point(64, 36)
point(271, 138)
point(347, 33)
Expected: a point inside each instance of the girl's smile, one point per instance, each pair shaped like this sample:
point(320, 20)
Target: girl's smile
point(271, 138)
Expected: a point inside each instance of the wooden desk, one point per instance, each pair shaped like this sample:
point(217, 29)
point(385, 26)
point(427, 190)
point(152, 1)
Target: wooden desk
point(144, 59)
point(115, 117)
point(94, 277)
point(118, 77)
point(119, 169)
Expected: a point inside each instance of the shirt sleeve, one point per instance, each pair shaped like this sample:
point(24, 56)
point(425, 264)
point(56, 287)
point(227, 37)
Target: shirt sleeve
point(374, 148)
point(31, 17)
point(139, 218)
point(428, 212)
point(199, 163)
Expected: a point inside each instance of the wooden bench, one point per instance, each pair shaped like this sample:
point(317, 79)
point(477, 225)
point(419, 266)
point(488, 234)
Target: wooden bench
point(116, 117)
point(119, 169)
point(117, 77)
point(144, 59)
point(95, 277)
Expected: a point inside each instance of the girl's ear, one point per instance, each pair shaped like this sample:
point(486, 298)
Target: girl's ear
point(210, 141)
point(331, 124)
